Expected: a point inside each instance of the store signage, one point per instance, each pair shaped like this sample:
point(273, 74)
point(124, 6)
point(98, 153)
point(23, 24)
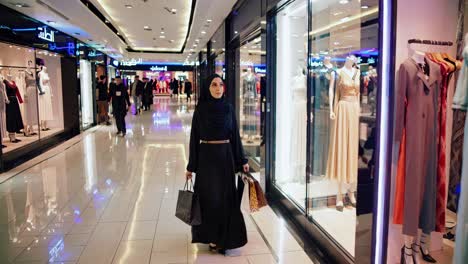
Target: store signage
point(259, 70)
point(115, 63)
point(157, 68)
point(131, 62)
point(45, 34)
point(93, 53)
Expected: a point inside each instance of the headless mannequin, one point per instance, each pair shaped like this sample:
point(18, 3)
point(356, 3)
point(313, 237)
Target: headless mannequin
point(349, 69)
point(11, 135)
point(29, 130)
point(43, 123)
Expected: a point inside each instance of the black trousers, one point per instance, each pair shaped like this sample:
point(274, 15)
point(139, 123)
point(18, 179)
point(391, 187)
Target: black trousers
point(120, 122)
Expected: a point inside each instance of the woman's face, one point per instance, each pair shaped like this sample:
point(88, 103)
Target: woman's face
point(217, 88)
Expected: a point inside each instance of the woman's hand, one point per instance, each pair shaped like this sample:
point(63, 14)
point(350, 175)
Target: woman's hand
point(332, 116)
point(188, 175)
point(246, 167)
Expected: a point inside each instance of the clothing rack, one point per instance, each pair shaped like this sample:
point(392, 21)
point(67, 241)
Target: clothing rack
point(430, 42)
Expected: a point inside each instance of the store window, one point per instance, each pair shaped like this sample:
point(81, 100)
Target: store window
point(86, 95)
point(343, 84)
point(252, 81)
point(31, 107)
point(291, 101)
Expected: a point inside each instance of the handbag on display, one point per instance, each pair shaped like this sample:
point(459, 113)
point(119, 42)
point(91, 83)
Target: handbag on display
point(257, 198)
point(188, 205)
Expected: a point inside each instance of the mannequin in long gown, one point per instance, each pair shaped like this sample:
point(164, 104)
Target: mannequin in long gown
point(299, 126)
point(343, 155)
point(45, 99)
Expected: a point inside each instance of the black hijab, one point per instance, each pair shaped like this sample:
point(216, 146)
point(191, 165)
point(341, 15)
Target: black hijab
point(214, 112)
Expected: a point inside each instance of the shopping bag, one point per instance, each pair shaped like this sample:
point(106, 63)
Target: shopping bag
point(256, 198)
point(188, 206)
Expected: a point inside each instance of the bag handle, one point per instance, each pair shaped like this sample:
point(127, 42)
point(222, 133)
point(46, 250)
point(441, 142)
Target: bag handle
point(190, 186)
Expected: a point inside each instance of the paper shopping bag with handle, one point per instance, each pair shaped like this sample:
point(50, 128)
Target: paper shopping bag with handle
point(188, 206)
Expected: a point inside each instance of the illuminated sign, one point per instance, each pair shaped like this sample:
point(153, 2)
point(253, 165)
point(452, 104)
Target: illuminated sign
point(131, 62)
point(156, 68)
point(45, 34)
point(115, 63)
point(259, 70)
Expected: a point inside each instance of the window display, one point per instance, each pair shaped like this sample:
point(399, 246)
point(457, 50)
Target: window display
point(428, 137)
point(291, 102)
point(27, 107)
point(252, 72)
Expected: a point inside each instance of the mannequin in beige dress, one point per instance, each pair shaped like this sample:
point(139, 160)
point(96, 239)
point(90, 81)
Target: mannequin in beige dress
point(342, 163)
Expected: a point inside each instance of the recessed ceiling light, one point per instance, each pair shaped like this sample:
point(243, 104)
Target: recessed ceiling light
point(344, 2)
point(364, 7)
point(263, 22)
point(197, 40)
point(171, 41)
point(235, 32)
point(128, 6)
point(195, 45)
point(146, 27)
point(173, 10)
point(214, 41)
point(162, 36)
point(203, 32)
point(209, 20)
point(107, 21)
point(21, 5)
point(162, 32)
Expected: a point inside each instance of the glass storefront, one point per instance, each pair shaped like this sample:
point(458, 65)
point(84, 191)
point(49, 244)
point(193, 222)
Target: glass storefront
point(32, 95)
point(324, 101)
point(251, 76)
point(218, 51)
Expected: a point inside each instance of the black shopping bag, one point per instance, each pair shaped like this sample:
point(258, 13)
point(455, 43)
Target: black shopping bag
point(188, 206)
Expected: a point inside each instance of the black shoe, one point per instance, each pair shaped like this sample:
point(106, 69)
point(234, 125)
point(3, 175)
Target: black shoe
point(3, 146)
point(427, 257)
point(15, 141)
point(118, 133)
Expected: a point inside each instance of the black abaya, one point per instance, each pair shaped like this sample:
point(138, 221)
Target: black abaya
point(215, 166)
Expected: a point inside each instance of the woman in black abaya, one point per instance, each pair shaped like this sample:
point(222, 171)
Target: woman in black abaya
point(216, 153)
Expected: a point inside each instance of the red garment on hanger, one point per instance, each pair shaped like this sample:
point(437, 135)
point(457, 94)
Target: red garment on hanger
point(400, 183)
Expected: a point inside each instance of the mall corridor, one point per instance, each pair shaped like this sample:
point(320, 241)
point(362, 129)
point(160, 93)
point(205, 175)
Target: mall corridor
point(100, 198)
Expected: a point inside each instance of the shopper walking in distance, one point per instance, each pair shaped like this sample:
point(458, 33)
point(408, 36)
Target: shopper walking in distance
point(120, 104)
point(216, 154)
point(137, 92)
point(188, 89)
point(103, 105)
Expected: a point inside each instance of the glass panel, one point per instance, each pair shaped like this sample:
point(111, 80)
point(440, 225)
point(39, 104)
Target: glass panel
point(50, 92)
point(252, 72)
point(18, 97)
point(86, 96)
point(291, 101)
point(343, 59)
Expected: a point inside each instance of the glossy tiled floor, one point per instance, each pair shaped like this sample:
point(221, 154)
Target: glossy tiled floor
point(104, 199)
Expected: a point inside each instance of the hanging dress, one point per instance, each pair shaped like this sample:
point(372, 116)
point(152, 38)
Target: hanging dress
point(215, 181)
point(14, 120)
point(343, 153)
point(299, 128)
point(3, 100)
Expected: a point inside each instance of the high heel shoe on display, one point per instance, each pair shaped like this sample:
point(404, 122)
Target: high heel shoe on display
point(426, 257)
point(404, 254)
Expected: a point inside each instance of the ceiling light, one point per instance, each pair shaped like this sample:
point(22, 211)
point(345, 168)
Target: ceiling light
point(162, 32)
point(21, 5)
point(107, 21)
point(209, 20)
point(146, 27)
point(214, 41)
point(50, 21)
point(336, 43)
point(162, 36)
point(197, 40)
point(344, 2)
point(263, 22)
point(364, 7)
point(171, 41)
point(118, 33)
point(195, 45)
point(128, 6)
point(173, 10)
point(235, 32)
point(203, 32)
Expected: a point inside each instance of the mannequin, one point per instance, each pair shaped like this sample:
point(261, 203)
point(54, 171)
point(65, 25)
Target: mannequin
point(342, 164)
point(30, 100)
point(249, 85)
point(45, 99)
point(3, 101)
point(299, 125)
point(14, 121)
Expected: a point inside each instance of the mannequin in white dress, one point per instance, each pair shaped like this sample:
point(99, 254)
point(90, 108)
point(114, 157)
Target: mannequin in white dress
point(299, 126)
point(45, 99)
